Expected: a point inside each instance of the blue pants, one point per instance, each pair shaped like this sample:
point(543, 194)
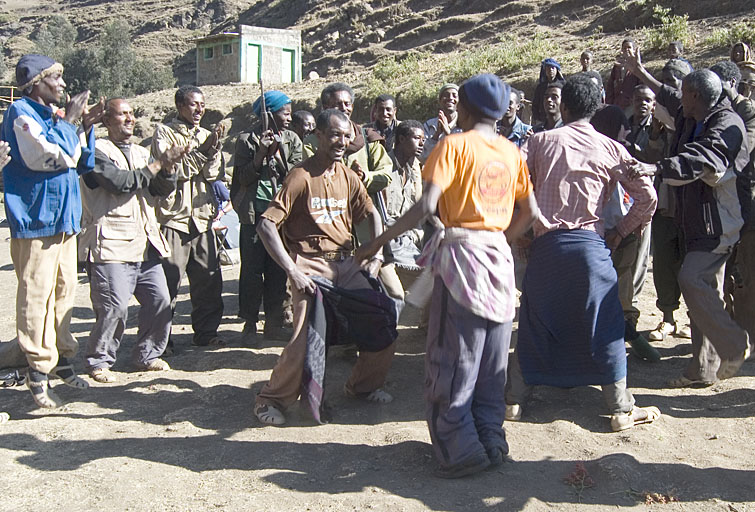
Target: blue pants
point(111, 288)
point(465, 368)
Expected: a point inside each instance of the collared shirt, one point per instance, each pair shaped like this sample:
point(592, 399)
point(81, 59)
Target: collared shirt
point(430, 127)
point(574, 172)
point(388, 132)
point(518, 132)
point(193, 202)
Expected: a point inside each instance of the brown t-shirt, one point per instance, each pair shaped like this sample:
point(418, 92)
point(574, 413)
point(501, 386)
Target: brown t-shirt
point(318, 212)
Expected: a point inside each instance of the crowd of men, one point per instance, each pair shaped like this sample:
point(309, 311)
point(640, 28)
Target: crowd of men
point(564, 208)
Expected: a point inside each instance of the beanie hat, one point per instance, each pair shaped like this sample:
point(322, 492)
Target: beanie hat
point(487, 93)
point(551, 62)
point(274, 101)
point(448, 86)
point(32, 68)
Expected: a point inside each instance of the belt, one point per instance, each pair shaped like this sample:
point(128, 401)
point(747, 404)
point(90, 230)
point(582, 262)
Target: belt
point(336, 255)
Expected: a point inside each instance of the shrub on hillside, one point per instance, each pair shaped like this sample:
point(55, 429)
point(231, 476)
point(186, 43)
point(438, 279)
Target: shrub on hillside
point(672, 27)
point(109, 67)
point(725, 37)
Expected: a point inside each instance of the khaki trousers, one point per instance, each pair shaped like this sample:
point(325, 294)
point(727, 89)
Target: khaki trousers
point(370, 370)
point(46, 272)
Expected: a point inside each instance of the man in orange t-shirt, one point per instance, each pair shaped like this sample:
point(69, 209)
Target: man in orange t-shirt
point(474, 179)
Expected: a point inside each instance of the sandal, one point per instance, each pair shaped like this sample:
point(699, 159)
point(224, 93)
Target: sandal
point(269, 415)
point(684, 382)
point(215, 341)
point(103, 375)
point(637, 416)
point(378, 396)
point(40, 390)
point(4, 417)
point(156, 365)
point(64, 371)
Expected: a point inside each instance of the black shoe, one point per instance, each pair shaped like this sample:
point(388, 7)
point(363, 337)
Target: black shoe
point(470, 466)
point(278, 334)
point(249, 336)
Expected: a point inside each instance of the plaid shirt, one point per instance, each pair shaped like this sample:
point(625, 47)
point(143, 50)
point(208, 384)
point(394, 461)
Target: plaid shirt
point(574, 171)
point(477, 268)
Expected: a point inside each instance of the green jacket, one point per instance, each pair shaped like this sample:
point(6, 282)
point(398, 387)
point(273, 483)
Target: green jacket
point(251, 187)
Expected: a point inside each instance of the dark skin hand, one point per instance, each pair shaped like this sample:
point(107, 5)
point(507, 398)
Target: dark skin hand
point(211, 145)
point(268, 148)
point(76, 106)
point(167, 160)
point(93, 115)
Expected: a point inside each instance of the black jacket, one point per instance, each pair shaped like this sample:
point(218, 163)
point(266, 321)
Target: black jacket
point(704, 165)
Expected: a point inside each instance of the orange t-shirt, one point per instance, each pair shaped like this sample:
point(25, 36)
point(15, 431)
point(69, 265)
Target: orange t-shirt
point(480, 178)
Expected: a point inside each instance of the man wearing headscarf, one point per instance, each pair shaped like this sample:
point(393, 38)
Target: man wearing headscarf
point(474, 179)
point(43, 206)
point(261, 162)
point(550, 73)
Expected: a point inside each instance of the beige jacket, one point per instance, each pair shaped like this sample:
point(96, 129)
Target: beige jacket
point(119, 226)
point(193, 201)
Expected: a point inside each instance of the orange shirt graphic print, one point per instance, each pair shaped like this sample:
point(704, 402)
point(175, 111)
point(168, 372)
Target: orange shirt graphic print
point(493, 188)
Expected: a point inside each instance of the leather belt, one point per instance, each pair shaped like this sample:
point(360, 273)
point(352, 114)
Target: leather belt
point(336, 255)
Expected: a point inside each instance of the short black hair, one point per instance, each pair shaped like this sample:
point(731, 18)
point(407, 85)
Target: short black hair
point(299, 116)
point(404, 129)
point(383, 98)
point(184, 91)
point(727, 71)
point(580, 96)
point(558, 84)
point(678, 45)
point(642, 87)
point(596, 76)
point(109, 101)
point(333, 88)
point(519, 94)
point(323, 119)
point(586, 53)
point(629, 40)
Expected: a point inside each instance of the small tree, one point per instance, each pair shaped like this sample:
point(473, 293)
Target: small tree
point(55, 38)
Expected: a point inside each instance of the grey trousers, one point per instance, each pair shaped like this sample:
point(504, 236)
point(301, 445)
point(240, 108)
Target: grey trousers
point(465, 375)
point(111, 287)
point(630, 260)
point(196, 254)
point(715, 335)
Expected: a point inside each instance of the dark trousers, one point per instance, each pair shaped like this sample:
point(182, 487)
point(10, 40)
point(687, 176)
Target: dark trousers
point(668, 254)
point(465, 376)
point(196, 255)
point(111, 286)
point(261, 281)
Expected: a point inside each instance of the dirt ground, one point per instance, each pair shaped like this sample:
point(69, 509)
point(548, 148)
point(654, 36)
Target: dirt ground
point(187, 440)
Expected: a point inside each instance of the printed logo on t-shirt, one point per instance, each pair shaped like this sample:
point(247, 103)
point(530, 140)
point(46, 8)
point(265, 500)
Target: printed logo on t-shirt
point(324, 209)
point(492, 188)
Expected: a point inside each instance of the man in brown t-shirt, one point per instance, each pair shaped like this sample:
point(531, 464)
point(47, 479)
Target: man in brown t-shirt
point(315, 210)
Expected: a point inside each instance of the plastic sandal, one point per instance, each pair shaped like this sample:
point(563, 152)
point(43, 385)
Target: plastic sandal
point(269, 415)
point(64, 371)
point(40, 390)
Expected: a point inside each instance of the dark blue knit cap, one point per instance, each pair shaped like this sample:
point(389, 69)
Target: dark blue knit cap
point(488, 94)
point(32, 68)
point(551, 62)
